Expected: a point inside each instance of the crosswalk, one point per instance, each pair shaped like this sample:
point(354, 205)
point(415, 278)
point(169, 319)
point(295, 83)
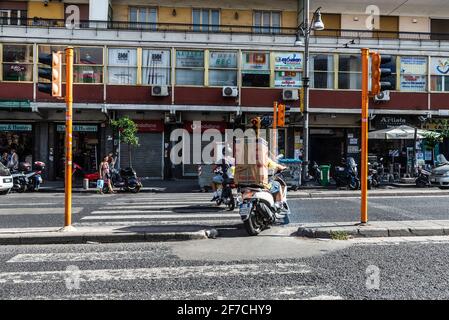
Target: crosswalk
point(161, 209)
point(151, 274)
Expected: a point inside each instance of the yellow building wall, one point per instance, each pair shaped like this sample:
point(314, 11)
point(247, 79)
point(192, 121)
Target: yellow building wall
point(165, 15)
point(120, 13)
point(245, 18)
point(54, 10)
point(289, 19)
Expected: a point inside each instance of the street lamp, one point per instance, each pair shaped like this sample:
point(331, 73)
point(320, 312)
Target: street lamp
point(305, 28)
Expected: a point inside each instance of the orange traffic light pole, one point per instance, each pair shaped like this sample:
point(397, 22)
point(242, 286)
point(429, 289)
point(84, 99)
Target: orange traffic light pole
point(68, 138)
point(364, 137)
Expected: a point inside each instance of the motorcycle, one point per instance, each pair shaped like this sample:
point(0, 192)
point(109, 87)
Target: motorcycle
point(373, 176)
point(225, 194)
point(346, 176)
point(423, 179)
point(258, 210)
point(27, 179)
point(125, 179)
point(315, 172)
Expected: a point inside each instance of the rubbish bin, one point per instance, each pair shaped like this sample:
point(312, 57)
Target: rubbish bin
point(324, 177)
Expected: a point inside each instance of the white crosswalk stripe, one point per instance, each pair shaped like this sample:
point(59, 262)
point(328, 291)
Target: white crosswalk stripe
point(161, 209)
point(53, 274)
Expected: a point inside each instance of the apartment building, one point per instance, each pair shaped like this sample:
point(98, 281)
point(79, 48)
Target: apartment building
point(168, 63)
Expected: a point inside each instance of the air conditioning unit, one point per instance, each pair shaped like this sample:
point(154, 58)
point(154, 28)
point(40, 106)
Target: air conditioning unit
point(382, 96)
point(290, 94)
point(159, 91)
point(230, 91)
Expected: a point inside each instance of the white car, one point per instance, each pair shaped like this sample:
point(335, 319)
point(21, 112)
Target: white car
point(440, 174)
point(6, 181)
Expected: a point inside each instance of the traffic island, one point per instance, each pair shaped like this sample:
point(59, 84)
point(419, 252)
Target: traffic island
point(84, 235)
point(346, 230)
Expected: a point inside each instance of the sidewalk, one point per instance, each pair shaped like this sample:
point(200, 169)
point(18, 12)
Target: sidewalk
point(343, 230)
point(103, 234)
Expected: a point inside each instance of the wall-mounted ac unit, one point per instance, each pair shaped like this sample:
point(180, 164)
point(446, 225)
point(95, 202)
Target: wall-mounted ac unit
point(159, 91)
point(382, 96)
point(290, 94)
point(230, 91)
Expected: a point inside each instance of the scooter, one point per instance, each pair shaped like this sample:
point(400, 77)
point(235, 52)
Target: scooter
point(423, 179)
point(315, 172)
point(26, 178)
point(125, 179)
point(258, 210)
point(346, 176)
point(225, 194)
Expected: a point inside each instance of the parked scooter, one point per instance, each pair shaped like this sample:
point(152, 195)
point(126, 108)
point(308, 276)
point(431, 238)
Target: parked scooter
point(125, 179)
point(258, 210)
point(28, 178)
point(423, 179)
point(315, 172)
point(346, 175)
point(224, 191)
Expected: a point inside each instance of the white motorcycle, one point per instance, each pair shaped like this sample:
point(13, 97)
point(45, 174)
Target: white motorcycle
point(258, 210)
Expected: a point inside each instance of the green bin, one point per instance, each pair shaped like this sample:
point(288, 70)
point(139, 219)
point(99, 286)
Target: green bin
point(324, 177)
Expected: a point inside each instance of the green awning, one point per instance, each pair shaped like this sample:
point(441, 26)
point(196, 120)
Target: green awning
point(14, 105)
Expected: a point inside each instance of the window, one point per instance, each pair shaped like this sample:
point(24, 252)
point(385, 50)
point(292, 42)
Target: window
point(17, 62)
point(156, 67)
point(389, 27)
point(223, 68)
point(256, 69)
point(267, 22)
point(288, 69)
point(322, 71)
point(332, 25)
point(143, 17)
point(349, 72)
point(413, 73)
point(438, 29)
point(43, 49)
point(122, 66)
point(13, 17)
point(190, 67)
point(206, 20)
point(439, 74)
point(88, 65)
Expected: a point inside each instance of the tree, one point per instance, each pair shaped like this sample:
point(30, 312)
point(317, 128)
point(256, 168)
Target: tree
point(437, 136)
point(127, 130)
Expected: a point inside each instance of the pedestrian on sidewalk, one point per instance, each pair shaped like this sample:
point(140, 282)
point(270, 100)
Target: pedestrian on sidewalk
point(105, 174)
point(13, 160)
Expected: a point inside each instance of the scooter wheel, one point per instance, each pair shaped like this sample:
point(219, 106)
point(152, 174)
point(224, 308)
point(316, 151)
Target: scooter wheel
point(252, 226)
point(136, 189)
point(231, 204)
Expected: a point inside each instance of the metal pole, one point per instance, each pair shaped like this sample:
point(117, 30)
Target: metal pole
point(364, 136)
point(68, 137)
point(275, 136)
point(305, 84)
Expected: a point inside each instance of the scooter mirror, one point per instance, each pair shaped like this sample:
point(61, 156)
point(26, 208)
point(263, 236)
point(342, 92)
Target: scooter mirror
point(280, 156)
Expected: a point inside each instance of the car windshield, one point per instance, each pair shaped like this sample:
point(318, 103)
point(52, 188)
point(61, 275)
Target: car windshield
point(4, 171)
point(441, 159)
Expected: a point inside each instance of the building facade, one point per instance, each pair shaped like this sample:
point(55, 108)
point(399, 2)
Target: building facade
point(166, 64)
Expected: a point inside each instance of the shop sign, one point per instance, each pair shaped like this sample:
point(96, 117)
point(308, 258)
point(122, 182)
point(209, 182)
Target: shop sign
point(78, 128)
point(255, 61)
point(287, 79)
point(206, 125)
point(413, 73)
point(189, 59)
point(149, 125)
point(122, 57)
point(288, 61)
point(439, 66)
point(223, 59)
point(15, 127)
point(385, 122)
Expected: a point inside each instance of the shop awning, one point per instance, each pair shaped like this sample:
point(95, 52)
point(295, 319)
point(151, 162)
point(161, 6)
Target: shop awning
point(15, 105)
point(398, 133)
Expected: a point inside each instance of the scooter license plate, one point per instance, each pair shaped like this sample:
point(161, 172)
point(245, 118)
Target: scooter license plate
point(245, 209)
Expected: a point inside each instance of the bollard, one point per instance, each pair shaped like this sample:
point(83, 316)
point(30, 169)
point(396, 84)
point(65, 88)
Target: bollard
point(86, 184)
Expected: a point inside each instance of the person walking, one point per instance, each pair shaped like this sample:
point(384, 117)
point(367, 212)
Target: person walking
point(105, 174)
point(13, 160)
point(5, 159)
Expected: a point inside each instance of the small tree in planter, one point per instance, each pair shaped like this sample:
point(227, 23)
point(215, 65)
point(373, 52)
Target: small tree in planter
point(127, 130)
point(434, 138)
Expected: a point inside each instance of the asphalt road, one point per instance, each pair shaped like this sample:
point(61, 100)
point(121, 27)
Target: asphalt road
point(262, 267)
point(47, 209)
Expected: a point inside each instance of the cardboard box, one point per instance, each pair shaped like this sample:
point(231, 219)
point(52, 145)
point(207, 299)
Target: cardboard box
point(251, 161)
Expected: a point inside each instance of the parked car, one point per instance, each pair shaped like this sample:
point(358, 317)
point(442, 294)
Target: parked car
point(440, 174)
point(6, 182)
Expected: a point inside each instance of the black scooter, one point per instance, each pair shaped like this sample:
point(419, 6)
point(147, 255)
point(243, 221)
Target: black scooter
point(346, 176)
point(125, 179)
point(423, 179)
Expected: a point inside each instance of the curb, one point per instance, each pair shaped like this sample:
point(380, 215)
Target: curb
point(292, 195)
point(363, 232)
point(100, 237)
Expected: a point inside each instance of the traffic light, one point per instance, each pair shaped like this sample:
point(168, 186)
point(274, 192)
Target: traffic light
point(281, 115)
point(287, 115)
point(54, 74)
point(380, 74)
point(255, 122)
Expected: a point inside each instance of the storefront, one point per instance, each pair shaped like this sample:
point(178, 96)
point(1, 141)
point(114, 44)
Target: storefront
point(86, 147)
point(147, 158)
point(18, 136)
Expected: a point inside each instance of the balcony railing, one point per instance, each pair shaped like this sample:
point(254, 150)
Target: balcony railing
point(205, 28)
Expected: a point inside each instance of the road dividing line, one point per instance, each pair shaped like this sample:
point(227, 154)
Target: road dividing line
point(81, 256)
point(160, 216)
